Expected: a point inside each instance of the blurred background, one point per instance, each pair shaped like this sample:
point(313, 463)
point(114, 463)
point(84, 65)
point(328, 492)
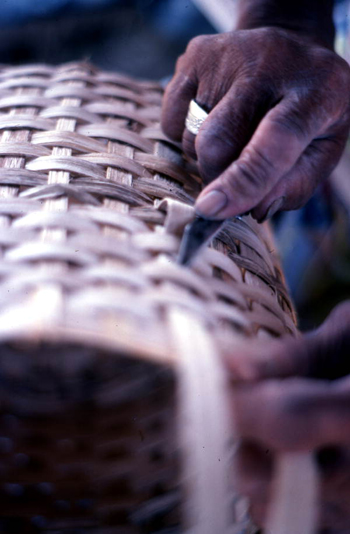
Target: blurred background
point(138, 37)
point(143, 38)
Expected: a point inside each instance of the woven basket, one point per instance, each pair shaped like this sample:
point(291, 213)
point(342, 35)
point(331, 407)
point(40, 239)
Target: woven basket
point(113, 413)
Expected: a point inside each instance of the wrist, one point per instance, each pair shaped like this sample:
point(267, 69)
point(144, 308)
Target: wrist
point(312, 19)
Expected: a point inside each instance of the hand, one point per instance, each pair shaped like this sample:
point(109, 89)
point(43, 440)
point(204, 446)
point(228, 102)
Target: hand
point(279, 116)
point(294, 396)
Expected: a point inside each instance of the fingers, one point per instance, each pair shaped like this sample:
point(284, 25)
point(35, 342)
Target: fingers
point(245, 183)
point(229, 127)
point(191, 68)
point(177, 97)
point(294, 414)
point(271, 359)
point(292, 190)
point(322, 354)
point(243, 146)
point(235, 108)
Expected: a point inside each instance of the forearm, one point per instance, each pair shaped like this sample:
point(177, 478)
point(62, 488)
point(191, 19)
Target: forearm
point(312, 18)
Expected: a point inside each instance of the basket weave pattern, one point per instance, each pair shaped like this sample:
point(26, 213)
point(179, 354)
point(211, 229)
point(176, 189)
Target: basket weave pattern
point(87, 275)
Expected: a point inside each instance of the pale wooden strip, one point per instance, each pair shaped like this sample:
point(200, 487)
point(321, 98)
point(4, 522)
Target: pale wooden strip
point(115, 133)
point(293, 508)
point(73, 140)
point(204, 426)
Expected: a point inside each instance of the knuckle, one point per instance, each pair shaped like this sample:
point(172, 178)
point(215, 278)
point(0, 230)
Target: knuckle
point(183, 64)
point(259, 158)
point(180, 60)
point(208, 149)
point(241, 178)
point(332, 84)
point(211, 158)
point(197, 43)
point(294, 122)
point(333, 65)
point(339, 75)
point(253, 168)
point(270, 35)
point(214, 148)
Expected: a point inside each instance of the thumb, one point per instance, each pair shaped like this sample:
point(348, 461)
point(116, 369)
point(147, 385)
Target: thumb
point(245, 183)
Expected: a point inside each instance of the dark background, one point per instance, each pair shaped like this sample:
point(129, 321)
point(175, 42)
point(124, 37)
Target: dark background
point(142, 38)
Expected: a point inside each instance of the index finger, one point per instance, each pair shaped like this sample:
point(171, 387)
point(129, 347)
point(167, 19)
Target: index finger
point(176, 100)
point(279, 140)
point(293, 414)
point(323, 353)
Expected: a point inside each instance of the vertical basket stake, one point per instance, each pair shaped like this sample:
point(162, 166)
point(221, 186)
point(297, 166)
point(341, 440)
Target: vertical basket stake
point(205, 429)
point(293, 508)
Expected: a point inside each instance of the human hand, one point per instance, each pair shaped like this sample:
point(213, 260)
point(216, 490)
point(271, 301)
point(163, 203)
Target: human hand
point(279, 116)
point(295, 396)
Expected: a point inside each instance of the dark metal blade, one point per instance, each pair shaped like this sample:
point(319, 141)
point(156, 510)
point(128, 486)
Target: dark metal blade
point(195, 236)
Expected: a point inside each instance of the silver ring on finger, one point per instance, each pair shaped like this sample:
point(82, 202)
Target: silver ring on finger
point(195, 117)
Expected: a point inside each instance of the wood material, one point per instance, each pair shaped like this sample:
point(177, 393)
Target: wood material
point(101, 331)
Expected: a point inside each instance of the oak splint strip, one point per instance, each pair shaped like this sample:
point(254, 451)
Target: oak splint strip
point(113, 399)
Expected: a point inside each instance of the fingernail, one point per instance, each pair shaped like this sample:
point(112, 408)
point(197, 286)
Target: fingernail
point(210, 204)
point(275, 206)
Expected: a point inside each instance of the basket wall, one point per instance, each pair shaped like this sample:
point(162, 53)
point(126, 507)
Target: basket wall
point(90, 297)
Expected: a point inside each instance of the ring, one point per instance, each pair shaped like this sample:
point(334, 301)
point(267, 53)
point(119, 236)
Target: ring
point(195, 117)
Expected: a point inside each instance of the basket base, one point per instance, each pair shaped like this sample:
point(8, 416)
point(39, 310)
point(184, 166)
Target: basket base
point(87, 443)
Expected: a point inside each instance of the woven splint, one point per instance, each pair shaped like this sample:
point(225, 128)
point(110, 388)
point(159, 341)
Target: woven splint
point(113, 413)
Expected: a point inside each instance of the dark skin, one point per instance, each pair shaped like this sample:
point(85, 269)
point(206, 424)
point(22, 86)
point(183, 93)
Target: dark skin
point(278, 99)
point(295, 396)
point(279, 105)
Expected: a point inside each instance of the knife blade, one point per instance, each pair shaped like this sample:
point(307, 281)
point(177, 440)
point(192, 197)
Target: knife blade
point(196, 235)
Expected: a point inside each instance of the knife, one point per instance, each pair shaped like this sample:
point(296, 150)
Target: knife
point(196, 235)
